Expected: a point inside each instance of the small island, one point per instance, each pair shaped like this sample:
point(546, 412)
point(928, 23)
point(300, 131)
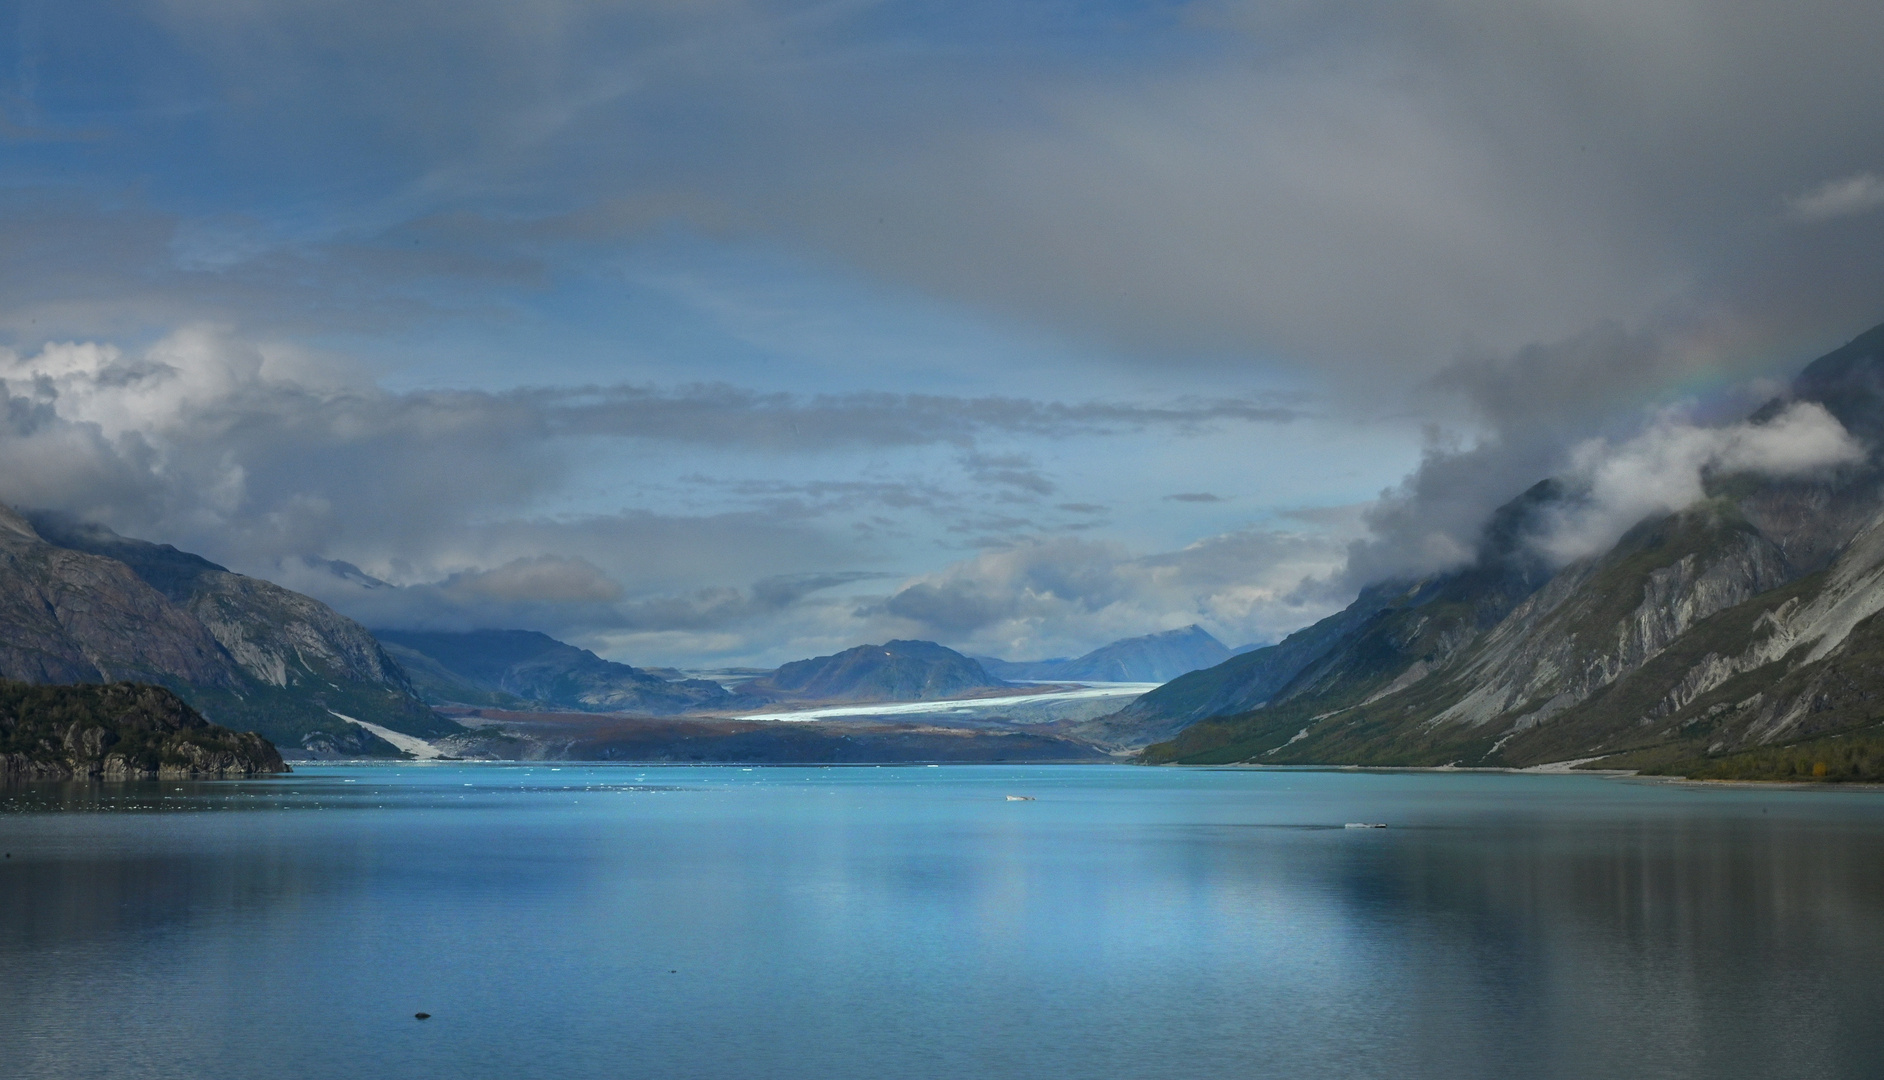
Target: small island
point(120, 731)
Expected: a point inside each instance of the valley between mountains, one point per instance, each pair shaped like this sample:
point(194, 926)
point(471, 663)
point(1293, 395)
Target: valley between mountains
point(1737, 637)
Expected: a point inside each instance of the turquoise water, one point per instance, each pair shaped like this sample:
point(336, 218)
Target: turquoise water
point(623, 921)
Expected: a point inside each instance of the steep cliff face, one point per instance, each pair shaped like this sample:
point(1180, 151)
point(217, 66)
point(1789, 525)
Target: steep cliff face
point(1747, 620)
point(1792, 663)
point(121, 731)
point(82, 604)
point(73, 617)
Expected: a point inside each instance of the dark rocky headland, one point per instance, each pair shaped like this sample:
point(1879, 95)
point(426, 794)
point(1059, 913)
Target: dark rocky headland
point(120, 731)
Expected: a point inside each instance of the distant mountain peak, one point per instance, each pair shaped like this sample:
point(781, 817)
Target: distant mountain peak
point(897, 670)
point(1157, 657)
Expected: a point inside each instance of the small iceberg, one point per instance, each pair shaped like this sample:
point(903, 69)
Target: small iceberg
point(1020, 798)
point(1365, 825)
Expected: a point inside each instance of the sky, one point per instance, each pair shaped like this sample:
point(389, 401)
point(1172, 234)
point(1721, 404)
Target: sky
point(726, 333)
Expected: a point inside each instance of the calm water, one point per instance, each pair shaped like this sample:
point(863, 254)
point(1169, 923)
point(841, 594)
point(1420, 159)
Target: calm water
point(912, 922)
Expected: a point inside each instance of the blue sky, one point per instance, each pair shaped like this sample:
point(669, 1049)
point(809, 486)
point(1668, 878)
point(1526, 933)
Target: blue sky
point(706, 332)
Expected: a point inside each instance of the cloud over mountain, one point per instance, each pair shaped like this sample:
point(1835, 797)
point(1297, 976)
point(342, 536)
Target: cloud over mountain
point(615, 317)
point(1664, 468)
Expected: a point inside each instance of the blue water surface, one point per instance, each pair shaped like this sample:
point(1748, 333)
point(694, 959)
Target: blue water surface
point(721, 922)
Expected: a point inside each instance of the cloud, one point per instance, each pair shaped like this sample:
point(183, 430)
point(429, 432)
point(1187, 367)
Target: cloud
point(571, 595)
point(1194, 497)
point(1527, 413)
point(1064, 596)
point(1359, 187)
point(275, 461)
point(1665, 467)
point(1017, 472)
point(1856, 194)
point(263, 451)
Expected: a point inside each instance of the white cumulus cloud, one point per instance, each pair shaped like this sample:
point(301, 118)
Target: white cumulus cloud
point(1664, 468)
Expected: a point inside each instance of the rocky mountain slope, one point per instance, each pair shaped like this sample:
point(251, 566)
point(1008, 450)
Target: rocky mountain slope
point(1746, 621)
point(523, 668)
point(1150, 658)
point(121, 731)
point(894, 671)
point(81, 604)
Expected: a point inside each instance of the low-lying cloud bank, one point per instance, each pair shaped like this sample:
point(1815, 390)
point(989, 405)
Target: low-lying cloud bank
point(449, 509)
point(1052, 596)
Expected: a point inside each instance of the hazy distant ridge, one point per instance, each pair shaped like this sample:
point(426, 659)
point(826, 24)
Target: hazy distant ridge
point(1150, 658)
point(513, 668)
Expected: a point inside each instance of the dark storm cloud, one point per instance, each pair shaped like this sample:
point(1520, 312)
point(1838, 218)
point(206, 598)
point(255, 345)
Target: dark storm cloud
point(1358, 184)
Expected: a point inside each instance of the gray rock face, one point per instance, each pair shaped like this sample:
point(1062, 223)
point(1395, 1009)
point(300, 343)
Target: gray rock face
point(1563, 644)
point(78, 603)
point(69, 616)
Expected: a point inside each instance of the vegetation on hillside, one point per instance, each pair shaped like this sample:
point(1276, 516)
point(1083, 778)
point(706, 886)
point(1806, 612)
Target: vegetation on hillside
point(119, 730)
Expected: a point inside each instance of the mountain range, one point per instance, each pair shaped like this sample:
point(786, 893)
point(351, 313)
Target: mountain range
point(1742, 627)
point(1151, 658)
point(1742, 635)
point(526, 669)
point(80, 604)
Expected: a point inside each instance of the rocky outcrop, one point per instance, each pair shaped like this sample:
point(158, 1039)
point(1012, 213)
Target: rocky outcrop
point(69, 616)
point(1603, 619)
point(120, 731)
